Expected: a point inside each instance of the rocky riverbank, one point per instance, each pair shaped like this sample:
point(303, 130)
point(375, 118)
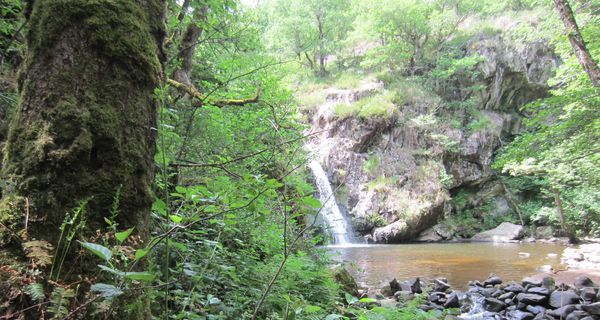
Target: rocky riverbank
point(532, 298)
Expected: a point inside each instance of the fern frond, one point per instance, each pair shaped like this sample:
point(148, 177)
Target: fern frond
point(39, 251)
point(35, 291)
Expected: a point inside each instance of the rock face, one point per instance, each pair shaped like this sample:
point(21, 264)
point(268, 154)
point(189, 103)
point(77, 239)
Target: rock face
point(398, 170)
point(505, 232)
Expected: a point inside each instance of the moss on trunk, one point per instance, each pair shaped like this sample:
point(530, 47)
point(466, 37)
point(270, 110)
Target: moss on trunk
point(85, 125)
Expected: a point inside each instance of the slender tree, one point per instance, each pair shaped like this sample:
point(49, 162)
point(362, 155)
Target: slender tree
point(84, 130)
point(586, 60)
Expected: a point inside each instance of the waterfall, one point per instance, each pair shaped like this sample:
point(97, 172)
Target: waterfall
point(332, 215)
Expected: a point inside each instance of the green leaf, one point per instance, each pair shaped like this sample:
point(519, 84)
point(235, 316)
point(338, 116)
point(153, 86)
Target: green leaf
point(141, 276)
point(111, 270)
point(174, 218)
point(312, 309)
point(101, 251)
point(140, 253)
point(106, 290)
point(350, 299)
point(334, 317)
point(160, 207)
point(311, 201)
point(214, 300)
point(121, 236)
point(367, 300)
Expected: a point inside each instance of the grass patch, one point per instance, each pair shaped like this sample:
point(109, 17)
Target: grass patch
point(348, 80)
point(378, 105)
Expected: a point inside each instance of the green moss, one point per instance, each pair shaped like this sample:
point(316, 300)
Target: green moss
point(122, 29)
point(12, 216)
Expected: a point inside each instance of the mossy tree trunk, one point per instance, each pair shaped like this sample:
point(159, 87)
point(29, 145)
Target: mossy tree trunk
point(85, 126)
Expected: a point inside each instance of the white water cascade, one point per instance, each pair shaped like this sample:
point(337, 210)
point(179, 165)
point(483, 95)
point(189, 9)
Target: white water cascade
point(331, 212)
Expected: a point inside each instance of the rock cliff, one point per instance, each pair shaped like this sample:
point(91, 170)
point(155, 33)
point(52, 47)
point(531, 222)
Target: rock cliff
point(397, 171)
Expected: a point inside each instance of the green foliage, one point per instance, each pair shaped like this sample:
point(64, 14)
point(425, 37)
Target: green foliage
point(371, 165)
point(560, 146)
point(379, 105)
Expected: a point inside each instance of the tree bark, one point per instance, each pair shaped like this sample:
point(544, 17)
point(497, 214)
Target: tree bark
point(187, 50)
point(86, 123)
point(578, 44)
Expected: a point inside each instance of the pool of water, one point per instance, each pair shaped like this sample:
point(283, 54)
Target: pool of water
point(375, 265)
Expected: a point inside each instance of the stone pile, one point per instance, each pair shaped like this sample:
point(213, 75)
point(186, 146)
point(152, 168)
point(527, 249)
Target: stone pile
point(531, 299)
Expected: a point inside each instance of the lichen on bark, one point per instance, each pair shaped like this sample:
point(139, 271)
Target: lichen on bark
point(85, 125)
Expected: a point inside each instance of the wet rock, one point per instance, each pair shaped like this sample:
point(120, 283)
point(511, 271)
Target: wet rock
point(514, 288)
point(520, 315)
point(505, 232)
point(435, 297)
point(415, 285)
point(530, 298)
point(345, 280)
point(584, 282)
point(536, 309)
point(506, 295)
point(577, 315)
point(562, 312)
point(452, 301)
point(527, 281)
point(395, 286)
point(496, 293)
point(588, 294)
point(539, 290)
point(440, 286)
point(493, 305)
point(426, 307)
point(592, 308)
point(492, 280)
point(559, 299)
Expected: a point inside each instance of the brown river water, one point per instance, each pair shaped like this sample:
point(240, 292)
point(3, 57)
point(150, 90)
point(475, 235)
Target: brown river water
point(375, 265)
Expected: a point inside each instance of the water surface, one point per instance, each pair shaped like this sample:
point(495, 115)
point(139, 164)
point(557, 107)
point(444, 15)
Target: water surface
point(375, 265)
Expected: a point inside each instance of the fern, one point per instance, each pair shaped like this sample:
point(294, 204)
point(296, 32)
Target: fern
point(59, 302)
point(35, 291)
point(39, 251)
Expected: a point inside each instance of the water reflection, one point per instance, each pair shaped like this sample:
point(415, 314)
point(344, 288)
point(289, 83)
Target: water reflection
point(374, 265)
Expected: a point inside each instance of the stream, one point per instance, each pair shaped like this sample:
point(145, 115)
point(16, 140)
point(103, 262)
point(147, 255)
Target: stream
point(375, 265)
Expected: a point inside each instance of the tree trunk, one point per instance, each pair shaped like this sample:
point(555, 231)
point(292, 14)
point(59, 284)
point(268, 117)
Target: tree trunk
point(586, 60)
point(561, 215)
point(86, 123)
point(187, 50)
point(322, 54)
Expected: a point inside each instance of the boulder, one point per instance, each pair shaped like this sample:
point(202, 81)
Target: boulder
point(514, 288)
point(505, 232)
point(520, 315)
point(562, 312)
point(592, 308)
point(440, 286)
point(584, 282)
point(452, 301)
point(345, 280)
point(492, 280)
point(539, 290)
point(532, 282)
point(559, 299)
point(493, 305)
point(395, 286)
point(415, 285)
point(530, 298)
